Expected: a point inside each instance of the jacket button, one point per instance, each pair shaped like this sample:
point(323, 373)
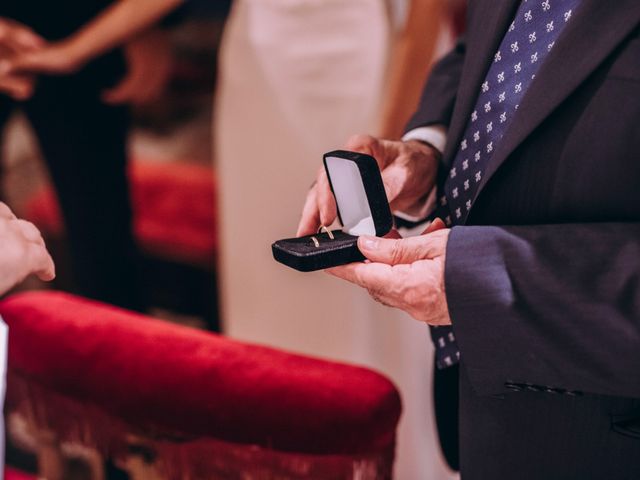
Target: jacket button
point(573, 393)
point(512, 386)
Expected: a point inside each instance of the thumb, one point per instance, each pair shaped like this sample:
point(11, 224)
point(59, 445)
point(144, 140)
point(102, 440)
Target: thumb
point(388, 250)
point(402, 251)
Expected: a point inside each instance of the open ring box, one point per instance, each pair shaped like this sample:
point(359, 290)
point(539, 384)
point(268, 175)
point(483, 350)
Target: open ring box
point(363, 209)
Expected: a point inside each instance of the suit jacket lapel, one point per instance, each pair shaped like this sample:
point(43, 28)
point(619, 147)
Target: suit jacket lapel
point(482, 41)
point(594, 32)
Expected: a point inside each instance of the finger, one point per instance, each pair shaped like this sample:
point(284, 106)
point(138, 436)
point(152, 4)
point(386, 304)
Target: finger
point(31, 62)
point(148, 89)
point(399, 251)
point(372, 276)
point(16, 36)
point(435, 225)
point(394, 178)
point(29, 231)
point(383, 151)
point(20, 63)
point(310, 220)
point(41, 263)
point(326, 201)
point(18, 88)
point(123, 92)
point(5, 212)
point(25, 38)
point(362, 144)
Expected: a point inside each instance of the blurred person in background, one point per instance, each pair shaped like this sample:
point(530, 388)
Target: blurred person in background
point(297, 78)
point(77, 103)
point(77, 108)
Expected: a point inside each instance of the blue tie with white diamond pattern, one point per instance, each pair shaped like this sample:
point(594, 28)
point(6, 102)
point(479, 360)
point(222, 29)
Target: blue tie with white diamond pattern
point(528, 41)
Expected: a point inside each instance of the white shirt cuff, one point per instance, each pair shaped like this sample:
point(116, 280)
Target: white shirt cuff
point(435, 135)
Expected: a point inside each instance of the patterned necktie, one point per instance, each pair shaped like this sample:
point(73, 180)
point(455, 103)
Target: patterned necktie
point(529, 39)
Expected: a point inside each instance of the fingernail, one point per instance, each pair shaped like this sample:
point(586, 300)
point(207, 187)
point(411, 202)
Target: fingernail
point(369, 243)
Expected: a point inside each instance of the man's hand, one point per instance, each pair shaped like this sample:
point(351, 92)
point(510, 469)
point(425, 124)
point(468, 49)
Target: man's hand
point(405, 273)
point(149, 62)
point(22, 251)
point(408, 173)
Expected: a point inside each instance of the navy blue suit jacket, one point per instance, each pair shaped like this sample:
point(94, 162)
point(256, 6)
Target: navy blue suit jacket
point(543, 280)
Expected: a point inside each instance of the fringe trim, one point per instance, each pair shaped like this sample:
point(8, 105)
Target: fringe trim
point(179, 457)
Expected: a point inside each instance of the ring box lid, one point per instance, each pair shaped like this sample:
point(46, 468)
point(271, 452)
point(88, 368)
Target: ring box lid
point(356, 183)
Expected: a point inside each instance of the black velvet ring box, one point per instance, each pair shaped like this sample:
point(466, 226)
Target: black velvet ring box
point(363, 209)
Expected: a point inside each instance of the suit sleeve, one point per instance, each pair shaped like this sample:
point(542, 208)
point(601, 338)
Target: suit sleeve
point(554, 305)
point(440, 91)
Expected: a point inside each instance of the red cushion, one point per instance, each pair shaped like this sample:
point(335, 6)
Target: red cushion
point(174, 210)
point(159, 376)
point(13, 474)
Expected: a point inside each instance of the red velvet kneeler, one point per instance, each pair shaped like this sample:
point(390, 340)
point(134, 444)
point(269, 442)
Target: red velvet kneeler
point(212, 407)
point(13, 474)
point(173, 206)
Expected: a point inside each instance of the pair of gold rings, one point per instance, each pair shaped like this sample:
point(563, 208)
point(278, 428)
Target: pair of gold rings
point(322, 228)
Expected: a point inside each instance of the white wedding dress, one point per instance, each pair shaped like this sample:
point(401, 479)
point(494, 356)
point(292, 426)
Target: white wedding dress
point(297, 78)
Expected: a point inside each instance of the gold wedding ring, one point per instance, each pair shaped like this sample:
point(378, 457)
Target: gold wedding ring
point(327, 231)
point(315, 242)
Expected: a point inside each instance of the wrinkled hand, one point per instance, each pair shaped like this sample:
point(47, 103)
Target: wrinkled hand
point(408, 173)
point(22, 251)
point(405, 273)
point(16, 38)
point(149, 61)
